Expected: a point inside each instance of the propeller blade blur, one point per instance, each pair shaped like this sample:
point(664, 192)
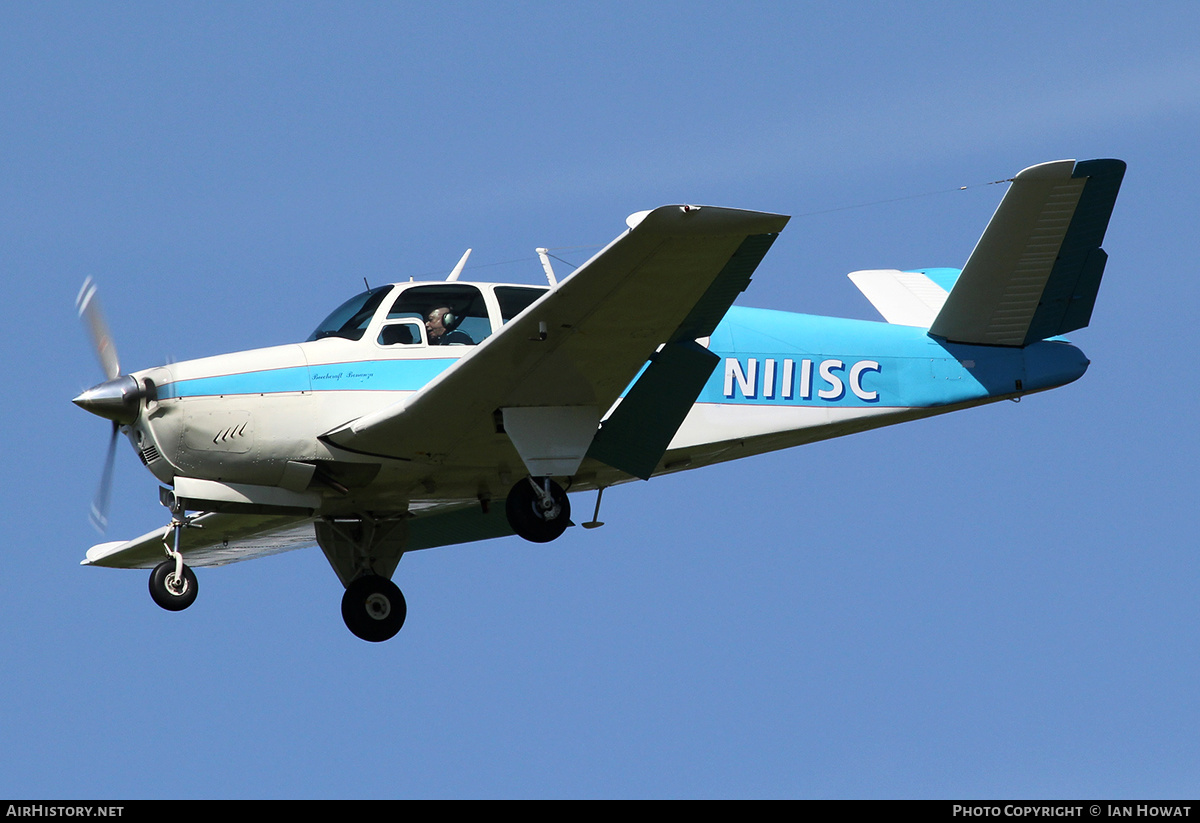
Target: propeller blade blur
point(99, 514)
point(89, 312)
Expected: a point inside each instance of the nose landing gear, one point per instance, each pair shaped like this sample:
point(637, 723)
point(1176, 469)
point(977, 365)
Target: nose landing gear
point(364, 552)
point(374, 608)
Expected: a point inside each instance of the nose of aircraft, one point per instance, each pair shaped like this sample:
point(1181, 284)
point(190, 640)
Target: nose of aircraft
point(118, 399)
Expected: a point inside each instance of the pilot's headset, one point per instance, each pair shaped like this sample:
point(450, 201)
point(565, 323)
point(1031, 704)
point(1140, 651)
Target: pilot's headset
point(450, 320)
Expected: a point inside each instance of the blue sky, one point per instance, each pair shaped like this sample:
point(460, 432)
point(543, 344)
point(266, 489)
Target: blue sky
point(999, 602)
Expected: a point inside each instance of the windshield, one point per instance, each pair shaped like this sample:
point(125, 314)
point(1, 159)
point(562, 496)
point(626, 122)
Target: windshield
point(350, 319)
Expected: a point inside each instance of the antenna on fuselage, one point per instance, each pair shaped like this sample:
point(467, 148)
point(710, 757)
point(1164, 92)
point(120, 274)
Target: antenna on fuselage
point(458, 268)
point(544, 256)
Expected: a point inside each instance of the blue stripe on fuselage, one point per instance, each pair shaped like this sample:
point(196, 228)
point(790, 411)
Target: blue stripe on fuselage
point(366, 375)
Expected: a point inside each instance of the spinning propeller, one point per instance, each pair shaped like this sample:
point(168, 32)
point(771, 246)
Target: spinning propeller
point(117, 399)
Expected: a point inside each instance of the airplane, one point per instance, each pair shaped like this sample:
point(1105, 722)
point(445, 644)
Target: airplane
point(425, 414)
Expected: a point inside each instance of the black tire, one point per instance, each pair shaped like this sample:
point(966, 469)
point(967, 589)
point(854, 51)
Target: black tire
point(374, 608)
point(528, 519)
point(165, 591)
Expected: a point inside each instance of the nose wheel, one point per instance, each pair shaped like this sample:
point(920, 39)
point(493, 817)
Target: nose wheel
point(374, 608)
point(538, 509)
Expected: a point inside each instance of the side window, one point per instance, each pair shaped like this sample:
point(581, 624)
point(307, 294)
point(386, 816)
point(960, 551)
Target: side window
point(515, 299)
point(453, 315)
point(402, 333)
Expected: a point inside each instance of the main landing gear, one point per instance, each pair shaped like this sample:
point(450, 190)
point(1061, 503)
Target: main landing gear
point(173, 585)
point(538, 509)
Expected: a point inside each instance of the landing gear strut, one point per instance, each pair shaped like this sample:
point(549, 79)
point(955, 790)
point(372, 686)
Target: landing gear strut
point(538, 509)
point(173, 585)
point(374, 608)
point(364, 551)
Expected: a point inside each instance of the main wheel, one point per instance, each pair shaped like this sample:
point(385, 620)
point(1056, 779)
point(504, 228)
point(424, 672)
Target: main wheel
point(374, 608)
point(172, 592)
point(541, 513)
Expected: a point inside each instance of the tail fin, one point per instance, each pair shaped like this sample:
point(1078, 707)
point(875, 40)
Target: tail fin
point(1036, 270)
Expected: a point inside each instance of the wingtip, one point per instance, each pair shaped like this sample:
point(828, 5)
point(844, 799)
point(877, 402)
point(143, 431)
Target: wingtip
point(682, 219)
point(100, 551)
point(1052, 170)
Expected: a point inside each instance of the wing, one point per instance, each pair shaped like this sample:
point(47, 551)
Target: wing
point(1036, 270)
point(213, 540)
point(554, 370)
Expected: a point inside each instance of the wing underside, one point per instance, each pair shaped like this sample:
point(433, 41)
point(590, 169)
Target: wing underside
point(212, 539)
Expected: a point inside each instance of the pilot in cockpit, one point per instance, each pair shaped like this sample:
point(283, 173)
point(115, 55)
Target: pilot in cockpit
point(441, 325)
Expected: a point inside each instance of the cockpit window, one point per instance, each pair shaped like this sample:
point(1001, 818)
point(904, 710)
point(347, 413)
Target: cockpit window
point(515, 299)
point(402, 333)
point(454, 315)
point(350, 320)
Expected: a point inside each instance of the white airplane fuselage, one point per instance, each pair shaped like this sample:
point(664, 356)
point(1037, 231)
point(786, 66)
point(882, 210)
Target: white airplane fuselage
point(254, 418)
